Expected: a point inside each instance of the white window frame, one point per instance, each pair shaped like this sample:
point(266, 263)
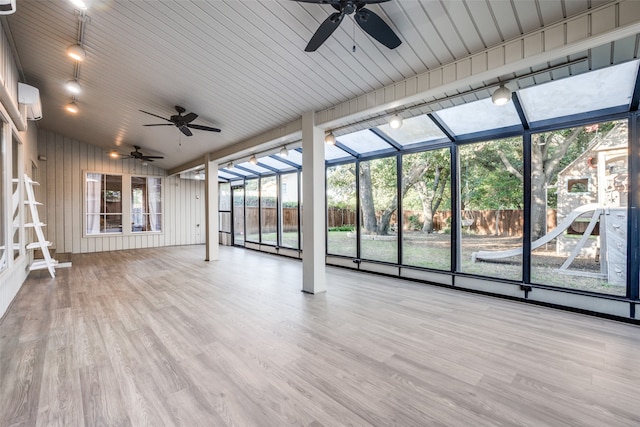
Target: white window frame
point(126, 205)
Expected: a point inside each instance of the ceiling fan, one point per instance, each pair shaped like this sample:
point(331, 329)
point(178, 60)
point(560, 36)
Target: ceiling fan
point(139, 156)
point(182, 122)
point(368, 20)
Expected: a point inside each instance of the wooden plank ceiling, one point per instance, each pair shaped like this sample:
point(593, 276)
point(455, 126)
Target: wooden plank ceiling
point(240, 65)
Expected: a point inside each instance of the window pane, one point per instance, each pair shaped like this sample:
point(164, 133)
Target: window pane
point(289, 213)
point(16, 190)
point(224, 219)
point(224, 203)
point(491, 200)
point(364, 141)
point(111, 224)
point(341, 210)
point(238, 215)
point(426, 205)
point(103, 198)
point(3, 242)
point(414, 130)
point(596, 90)
point(479, 116)
point(378, 204)
point(146, 204)
point(579, 195)
point(251, 211)
point(268, 210)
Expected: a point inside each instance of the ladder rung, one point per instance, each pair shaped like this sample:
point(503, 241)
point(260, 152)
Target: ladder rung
point(40, 264)
point(39, 224)
point(32, 202)
point(36, 245)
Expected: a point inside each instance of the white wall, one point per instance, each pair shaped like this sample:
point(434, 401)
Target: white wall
point(61, 177)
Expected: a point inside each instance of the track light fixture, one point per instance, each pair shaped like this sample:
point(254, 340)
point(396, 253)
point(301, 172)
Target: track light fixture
point(73, 87)
point(229, 165)
point(330, 139)
point(395, 122)
point(284, 152)
point(80, 4)
point(253, 160)
point(76, 52)
point(501, 96)
point(72, 107)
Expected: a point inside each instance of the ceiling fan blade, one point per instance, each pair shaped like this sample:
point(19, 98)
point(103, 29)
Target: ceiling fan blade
point(160, 124)
point(185, 130)
point(155, 115)
point(375, 26)
point(324, 31)
point(152, 157)
point(200, 127)
point(189, 117)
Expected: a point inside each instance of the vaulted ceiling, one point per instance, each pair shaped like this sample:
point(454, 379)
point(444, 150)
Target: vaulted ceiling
point(240, 65)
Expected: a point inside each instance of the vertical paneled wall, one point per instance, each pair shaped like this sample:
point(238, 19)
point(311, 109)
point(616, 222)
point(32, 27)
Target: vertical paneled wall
point(62, 175)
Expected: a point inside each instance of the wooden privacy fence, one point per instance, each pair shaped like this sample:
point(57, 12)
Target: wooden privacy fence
point(501, 222)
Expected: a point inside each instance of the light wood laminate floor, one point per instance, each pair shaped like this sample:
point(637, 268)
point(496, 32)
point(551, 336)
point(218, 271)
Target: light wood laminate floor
point(159, 337)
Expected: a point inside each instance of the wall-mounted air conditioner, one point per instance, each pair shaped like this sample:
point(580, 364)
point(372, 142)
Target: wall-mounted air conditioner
point(7, 7)
point(30, 97)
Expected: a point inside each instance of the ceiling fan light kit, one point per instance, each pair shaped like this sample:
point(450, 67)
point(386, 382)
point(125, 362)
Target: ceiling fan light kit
point(370, 22)
point(181, 122)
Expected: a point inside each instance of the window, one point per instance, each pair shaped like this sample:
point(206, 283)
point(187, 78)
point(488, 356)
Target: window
point(268, 210)
point(426, 209)
point(289, 210)
point(103, 203)
point(3, 168)
point(579, 192)
point(341, 210)
point(17, 197)
point(491, 199)
point(146, 204)
point(251, 211)
point(107, 212)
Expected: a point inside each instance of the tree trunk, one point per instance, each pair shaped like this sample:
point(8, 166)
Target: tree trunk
point(369, 222)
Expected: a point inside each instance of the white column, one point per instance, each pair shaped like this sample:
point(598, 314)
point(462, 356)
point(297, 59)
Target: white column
point(211, 210)
point(313, 204)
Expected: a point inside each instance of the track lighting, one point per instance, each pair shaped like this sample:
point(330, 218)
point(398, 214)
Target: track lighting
point(284, 152)
point(501, 96)
point(253, 160)
point(114, 154)
point(395, 122)
point(330, 139)
point(72, 107)
point(76, 52)
point(73, 87)
point(229, 165)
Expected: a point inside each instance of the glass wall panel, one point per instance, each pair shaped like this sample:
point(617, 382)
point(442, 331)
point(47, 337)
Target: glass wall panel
point(251, 211)
point(224, 197)
point(289, 210)
point(579, 192)
point(491, 202)
point(268, 210)
point(341, 210)
point(238, 215)
point(426, 209)
point(378, 205)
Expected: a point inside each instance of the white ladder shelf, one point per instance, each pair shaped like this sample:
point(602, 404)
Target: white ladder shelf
point(42, 243)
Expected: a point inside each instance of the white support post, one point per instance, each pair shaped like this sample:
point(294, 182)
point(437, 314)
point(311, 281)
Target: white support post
point(313, 203)
point(211, 210)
